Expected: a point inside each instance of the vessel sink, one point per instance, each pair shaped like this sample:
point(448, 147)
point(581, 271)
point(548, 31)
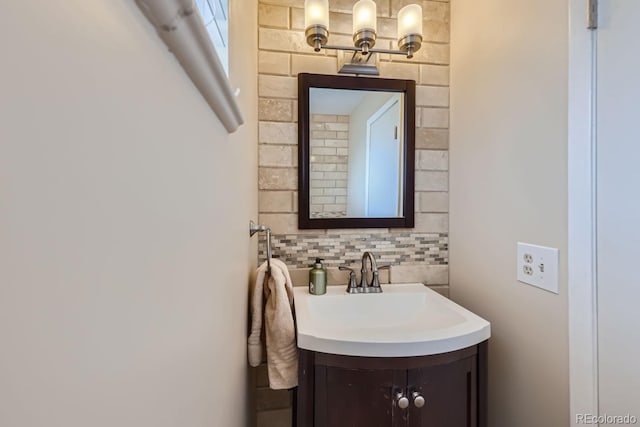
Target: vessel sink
point(405, 320)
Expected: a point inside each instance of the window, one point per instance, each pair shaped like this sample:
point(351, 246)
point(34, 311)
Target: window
point(215, 14)
point(193, 38)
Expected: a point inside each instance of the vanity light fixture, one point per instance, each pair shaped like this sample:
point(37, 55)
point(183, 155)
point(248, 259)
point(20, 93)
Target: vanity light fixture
point(316, 22)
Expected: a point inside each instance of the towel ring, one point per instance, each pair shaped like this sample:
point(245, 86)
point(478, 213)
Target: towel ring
point(255, 228)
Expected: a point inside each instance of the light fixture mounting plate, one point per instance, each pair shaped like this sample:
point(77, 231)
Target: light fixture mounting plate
point(357, 63)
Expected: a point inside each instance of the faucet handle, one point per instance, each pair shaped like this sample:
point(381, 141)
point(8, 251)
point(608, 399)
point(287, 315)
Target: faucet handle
point(375, 280)
point(352, 286)
point(375, 283)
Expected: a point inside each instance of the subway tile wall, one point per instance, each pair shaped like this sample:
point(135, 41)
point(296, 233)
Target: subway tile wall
point(329, 150)
point(419, 254)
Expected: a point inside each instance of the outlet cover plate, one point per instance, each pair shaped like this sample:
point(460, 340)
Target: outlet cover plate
point(538, 266)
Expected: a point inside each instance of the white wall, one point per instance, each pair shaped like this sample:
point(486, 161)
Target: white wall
point(508, 180)
point(124, 209)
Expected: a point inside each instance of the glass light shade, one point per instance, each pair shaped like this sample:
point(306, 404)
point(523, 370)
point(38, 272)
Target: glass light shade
point(364, 16)
point(316, 12)
point(410, 21)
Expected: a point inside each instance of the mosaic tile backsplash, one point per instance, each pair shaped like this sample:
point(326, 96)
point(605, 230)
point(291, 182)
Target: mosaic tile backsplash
point(301, 250)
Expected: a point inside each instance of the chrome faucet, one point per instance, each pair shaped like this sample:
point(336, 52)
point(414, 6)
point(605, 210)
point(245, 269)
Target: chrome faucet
point(374, 286)
point(364, 287)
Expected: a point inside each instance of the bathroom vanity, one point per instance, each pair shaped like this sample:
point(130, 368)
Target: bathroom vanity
point(439, 390)
point(406, 357)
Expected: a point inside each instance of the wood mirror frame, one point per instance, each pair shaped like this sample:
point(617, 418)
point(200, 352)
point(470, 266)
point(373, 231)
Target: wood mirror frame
point(408, 88)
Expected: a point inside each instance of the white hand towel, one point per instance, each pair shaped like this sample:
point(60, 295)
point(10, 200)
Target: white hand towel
point(282, 354)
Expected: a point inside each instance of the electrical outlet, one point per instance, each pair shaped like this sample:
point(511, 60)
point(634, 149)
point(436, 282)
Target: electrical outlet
point(538, 266)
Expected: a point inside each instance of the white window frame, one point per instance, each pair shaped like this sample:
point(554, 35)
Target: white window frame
point(180, 25)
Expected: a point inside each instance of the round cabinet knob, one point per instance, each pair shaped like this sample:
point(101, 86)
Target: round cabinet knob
point(418, 400)
point(402, 401)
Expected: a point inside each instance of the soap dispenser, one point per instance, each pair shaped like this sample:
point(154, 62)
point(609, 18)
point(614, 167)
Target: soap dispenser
point(318, 278)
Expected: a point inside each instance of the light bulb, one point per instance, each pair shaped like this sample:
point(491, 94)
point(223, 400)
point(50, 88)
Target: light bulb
point(316, 12)
point(410, 21)
point(364, 16)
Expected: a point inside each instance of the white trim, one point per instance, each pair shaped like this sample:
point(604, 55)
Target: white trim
point(180, 26)
point(583, 316)
point(401, 158)
point(367, 143)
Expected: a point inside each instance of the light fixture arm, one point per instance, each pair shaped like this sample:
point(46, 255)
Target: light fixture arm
point(408, 53)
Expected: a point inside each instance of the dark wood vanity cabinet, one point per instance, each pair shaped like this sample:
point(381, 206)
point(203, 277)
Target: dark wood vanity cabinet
point(348, 391)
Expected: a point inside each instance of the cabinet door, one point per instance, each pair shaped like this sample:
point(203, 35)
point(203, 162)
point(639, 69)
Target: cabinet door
point(358, 397)
point(450, 395)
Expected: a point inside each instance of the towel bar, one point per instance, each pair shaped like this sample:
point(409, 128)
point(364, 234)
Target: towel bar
point(255, 228)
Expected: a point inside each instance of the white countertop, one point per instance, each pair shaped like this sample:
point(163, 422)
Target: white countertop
point(404, 320)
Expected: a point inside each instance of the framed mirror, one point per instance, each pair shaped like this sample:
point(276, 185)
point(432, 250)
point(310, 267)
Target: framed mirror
point(356, 152)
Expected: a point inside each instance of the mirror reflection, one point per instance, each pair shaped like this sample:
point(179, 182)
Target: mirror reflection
point(356, 153)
